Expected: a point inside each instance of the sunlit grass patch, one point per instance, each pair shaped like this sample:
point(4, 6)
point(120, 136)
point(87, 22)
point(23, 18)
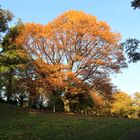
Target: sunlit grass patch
point(22, 125)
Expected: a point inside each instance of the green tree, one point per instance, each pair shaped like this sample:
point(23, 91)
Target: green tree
point(135, 4)
point(137, 98)
point(132, 47)
point(137, 103)
point(10, 61)
point(5, 17)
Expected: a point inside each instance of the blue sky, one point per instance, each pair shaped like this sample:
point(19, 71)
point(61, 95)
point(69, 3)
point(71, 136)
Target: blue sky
point(117, 13)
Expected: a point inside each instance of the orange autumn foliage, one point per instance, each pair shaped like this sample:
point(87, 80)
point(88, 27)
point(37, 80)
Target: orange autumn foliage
point(73, 50)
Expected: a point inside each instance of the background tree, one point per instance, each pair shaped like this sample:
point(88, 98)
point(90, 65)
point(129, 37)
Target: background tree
point(132, 49)
point(101, 105)
point(10, 62)
point(137, 103)
point(5, 17)
point(55, 103)
point(137, 98)
point(122, 105)
point(132, 45)
point(135, 4)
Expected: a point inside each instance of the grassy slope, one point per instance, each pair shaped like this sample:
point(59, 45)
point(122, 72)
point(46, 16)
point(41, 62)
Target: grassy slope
point(17, 124)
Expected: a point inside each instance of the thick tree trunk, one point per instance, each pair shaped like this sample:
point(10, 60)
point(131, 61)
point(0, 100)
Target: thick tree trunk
point(32, 102)
point(66, 105)
point(8, 97)
point(86, 111)
point(21, 101)
point(9, 89)
point(54, 110)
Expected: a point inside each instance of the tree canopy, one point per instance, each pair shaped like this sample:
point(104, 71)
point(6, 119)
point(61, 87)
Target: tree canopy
point(132, 47)
point(122, 104)
point(5, 17)
point(73, 50)
point(135, 4)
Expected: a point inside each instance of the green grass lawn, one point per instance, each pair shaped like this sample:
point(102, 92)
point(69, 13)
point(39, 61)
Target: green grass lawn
point(19, 124)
